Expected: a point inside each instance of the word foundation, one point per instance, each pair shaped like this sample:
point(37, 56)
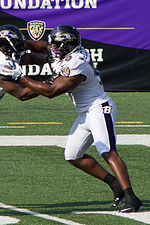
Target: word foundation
point(47, 4)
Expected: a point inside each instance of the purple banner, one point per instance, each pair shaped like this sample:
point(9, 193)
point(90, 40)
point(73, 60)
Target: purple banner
point(117, 22)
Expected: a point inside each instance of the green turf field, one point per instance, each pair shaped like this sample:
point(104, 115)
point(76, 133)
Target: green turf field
point(39, 180)
point(132, 107)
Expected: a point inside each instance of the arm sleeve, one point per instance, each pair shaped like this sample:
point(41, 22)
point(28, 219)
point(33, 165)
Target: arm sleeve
point(76, 67)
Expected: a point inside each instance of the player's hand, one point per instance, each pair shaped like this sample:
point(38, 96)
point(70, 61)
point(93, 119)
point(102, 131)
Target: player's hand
point(12, 73)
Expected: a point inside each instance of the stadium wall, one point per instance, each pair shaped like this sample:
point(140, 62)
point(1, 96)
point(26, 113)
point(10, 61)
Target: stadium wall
point(116, 36)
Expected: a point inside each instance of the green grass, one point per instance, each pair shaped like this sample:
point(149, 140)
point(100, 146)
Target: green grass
point(130, 106)
point(40, 180)
point(40, 109)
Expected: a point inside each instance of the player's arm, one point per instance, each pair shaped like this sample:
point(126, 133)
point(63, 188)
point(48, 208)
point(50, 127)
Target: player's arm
point(37, 46)
point(17, 89)
point(39, 53)
point(60, 86)
point(35, 58)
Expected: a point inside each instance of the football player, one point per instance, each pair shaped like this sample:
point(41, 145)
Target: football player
point(13, 51)
point(96, 112)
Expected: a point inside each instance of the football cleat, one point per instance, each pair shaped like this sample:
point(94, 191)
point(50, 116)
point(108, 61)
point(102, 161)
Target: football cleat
point(117, 200)
point(132, 205)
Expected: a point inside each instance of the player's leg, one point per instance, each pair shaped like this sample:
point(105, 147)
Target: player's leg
point(78, 142)
point(119, 168)
point(132, 202)
point(103, 129)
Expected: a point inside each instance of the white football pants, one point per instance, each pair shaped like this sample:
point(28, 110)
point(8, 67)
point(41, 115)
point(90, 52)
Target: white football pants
point(95, 126)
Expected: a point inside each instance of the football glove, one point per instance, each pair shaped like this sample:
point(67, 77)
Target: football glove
point(12, 72)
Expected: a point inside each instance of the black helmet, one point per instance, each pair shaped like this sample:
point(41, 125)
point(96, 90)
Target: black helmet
point(65, 39)
point(11, 39)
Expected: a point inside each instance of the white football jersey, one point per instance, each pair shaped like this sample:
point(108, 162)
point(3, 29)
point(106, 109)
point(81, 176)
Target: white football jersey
point(90, 91)
point(6, 62)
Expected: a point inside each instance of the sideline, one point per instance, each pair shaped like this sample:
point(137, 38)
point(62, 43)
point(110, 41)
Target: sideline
point(143, 217)
point(4, 220)
point(60, 141)
point(43, 216)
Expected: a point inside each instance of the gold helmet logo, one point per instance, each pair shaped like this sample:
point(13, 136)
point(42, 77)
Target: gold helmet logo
point(36, 29)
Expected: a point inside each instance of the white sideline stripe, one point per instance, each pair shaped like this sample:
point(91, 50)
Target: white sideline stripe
point(60, 141)
point(31, 140)
point(132, 126)
point(143, 217)
point(10, 127)
point(16, 127)
point(44, 216)
point(8, 220)
point(134, 139)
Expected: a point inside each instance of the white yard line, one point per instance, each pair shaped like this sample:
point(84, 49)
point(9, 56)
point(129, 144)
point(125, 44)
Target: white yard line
point(11, 127)
point(44, 216)
point(60, 141)
point(132, 126)
point(143, 217)
point(133, 139)
point(8, 220)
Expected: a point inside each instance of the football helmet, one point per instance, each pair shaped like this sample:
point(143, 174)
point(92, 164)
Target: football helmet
point(62, 40)
point(11, 40)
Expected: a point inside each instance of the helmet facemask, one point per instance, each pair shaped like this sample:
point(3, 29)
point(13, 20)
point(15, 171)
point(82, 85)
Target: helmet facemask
point(11, 40)
point(63, 40)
